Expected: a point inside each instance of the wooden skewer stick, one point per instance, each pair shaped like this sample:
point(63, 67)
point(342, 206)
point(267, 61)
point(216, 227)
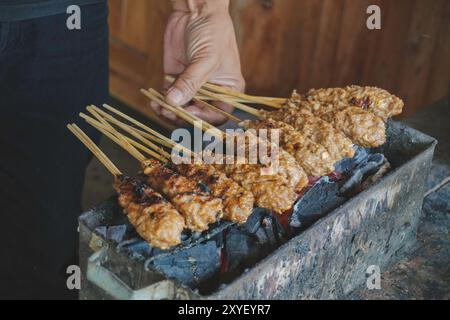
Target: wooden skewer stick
point(94, 110)
point(192, 117)
point(136, 123)
point(205, 98)
point(279, 101)
point(223, 134)
point(270, 102)
point(172, 144)
point(126, 143)
point(229, 101)
point(152, 136)
point(206, 125)
point(94, 149)
point(113, 136)
point(218, 110)
point(189, 118)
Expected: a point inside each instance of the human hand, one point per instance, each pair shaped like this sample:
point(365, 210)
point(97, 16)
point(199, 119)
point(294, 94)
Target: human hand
point(200, 46)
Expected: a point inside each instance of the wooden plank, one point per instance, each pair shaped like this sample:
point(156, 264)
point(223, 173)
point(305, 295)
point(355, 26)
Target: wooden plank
point(439, 80)
point(303, 44)
point(416, 62)
point(383, 67)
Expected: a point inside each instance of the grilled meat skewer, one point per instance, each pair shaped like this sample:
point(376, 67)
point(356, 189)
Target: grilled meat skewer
point(271, 192)
point(198, 207)
point(237, 202)
point(362, 127)
point(316, 129)
point(285, 182)
point(275, 190)
point(156, 220)
point(375, 100)
point(313, 157)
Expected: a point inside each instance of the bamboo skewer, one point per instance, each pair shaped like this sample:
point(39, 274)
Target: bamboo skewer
point(229, 101)
point(117, 139)
point(135, 122)
point(181, 113)
point(191, 121)
point(194, 117)
point(94, 149)
point(125, 143)
point(218, 110)
point(152, 136)
point(205, 98)
point(106, 117)
point(271, 102)
point(174, 110)
point(280, 101)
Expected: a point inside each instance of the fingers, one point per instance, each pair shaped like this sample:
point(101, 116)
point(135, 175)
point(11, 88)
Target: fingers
point(207, 115)
point(189, 82)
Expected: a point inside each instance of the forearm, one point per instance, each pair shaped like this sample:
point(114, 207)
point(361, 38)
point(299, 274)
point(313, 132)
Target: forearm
point(200, 5)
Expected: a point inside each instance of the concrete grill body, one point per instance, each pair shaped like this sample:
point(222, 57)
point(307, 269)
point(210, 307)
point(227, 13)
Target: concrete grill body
point(327, 260)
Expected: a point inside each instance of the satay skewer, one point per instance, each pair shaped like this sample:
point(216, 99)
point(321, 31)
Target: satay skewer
point(261, 188)
point(237, 202)
point(138, 124)
point(155, 219)
point(198, 207)
point(149, 133)
point(289, 177)
point(98, 113)
point(94, 149)
point(271, 102)
point(218, 110)
point(186, 116)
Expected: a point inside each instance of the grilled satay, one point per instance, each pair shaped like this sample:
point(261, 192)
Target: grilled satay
point(274, 185)
point(237, 202)
point(197, 206)
point(313, 157)
point(284, 164)
point(289, 174)
point(375, 100)
point(156, 220)
point(362, 127)
point(271, 192)
point(316, 129)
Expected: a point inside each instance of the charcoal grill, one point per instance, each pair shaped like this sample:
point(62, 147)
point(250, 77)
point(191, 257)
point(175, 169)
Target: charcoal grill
point(327, 260)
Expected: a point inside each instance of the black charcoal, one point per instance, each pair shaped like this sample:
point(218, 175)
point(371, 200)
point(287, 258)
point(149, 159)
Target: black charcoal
point(322, 198)
point(372, 164)
point(192, 266)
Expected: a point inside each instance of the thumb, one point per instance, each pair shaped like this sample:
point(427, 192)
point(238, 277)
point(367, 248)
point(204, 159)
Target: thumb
point(189, 82)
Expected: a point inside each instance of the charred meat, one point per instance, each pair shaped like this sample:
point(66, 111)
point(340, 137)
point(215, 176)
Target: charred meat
point(199, 208)
point(375, 100)
point(156, 220)
point(237, 201)
point(313, 157)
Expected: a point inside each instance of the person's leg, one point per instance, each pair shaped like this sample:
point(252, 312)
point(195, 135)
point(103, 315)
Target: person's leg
point(48, 75)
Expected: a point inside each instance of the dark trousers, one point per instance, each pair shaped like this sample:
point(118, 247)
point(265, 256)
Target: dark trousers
point(48, 74)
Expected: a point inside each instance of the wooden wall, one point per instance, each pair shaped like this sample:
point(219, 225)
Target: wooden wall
point(287, 44)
